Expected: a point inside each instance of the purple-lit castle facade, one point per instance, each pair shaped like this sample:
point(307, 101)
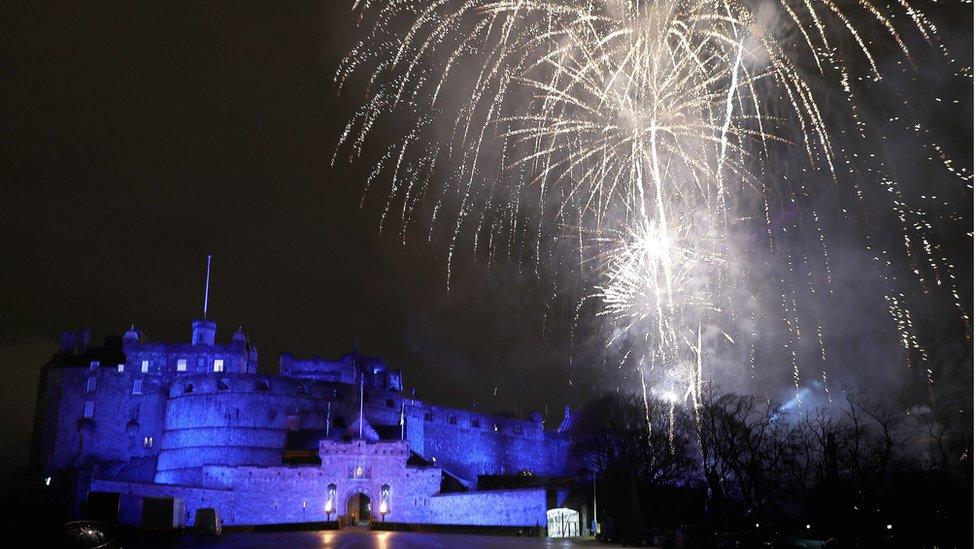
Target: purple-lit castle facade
point(322, 439)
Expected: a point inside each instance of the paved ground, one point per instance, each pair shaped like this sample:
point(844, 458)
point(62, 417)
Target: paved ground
point(351, 539)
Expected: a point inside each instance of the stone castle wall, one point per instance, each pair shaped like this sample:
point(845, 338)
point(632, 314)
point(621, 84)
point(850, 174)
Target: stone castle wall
point(132, 493)
point(318, 368)
point(470, 444)
point(210, 418)
point(220, 419)
point(243, 419)
point(476, 452)
point(522, 507)
point(295, 494)
point(217, 439)
point(123, 427)
point(164, 358)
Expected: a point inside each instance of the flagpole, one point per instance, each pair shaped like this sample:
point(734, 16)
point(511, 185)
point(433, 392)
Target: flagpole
point(206, 288)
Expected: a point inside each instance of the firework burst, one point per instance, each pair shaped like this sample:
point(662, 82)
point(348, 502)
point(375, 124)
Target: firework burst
point(649, 133)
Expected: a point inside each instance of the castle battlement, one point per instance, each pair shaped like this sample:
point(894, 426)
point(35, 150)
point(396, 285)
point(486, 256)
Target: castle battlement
point(399, 449)
point(202, 354)
point(190, 418)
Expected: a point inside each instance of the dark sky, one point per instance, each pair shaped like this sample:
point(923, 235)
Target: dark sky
point(139, 139)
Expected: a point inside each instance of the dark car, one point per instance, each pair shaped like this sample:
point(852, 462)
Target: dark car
point(206, 523)
point(88, 534)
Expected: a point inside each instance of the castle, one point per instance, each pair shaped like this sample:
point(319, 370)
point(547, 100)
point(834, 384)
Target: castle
point(195, 422)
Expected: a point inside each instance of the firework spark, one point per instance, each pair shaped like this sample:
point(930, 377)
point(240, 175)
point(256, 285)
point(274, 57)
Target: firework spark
point(648, 131)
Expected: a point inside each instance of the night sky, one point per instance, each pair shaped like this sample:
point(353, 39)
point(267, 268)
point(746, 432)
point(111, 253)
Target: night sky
point(145, 139)
point(138, 140)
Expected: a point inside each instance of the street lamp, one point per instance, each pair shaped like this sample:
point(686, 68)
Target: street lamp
point(384, 509)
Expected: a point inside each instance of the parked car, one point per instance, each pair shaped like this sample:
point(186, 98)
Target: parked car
point(88, 534)
point(810, 538)
point(692, 536)
point(206, 523)
point(163, 515)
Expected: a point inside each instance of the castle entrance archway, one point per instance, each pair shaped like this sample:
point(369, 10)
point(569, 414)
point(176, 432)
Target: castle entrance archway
point(359, 508)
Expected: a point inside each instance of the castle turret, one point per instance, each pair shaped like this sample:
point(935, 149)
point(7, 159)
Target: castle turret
point(69, 342)
point(538, 419)
point(73, 342)
point(131, 335)
point(204, 331)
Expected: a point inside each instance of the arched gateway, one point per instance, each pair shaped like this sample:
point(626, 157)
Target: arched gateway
point(359, 506)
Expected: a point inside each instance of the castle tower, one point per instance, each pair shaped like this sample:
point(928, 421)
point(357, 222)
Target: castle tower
point(204, 331)
point(132, 335)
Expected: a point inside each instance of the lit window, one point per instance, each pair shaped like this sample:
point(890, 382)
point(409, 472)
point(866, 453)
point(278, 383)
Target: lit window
point(147, 442)
point(121, 368)
point(137, 387)
point(89, 408)
point(94, 365)
point(92, 383)
point(145, 366)
point(219, 365)
point(181, 365)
